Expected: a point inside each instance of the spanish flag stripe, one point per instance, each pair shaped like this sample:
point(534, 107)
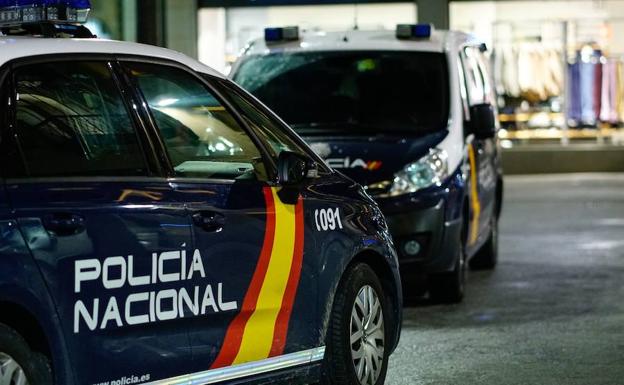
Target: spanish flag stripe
point(234, 335)
point(260, 328)
point(474, 195)
point(283, 319)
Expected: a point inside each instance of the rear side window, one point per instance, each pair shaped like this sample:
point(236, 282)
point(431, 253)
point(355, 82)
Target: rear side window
point(71, 121)
point(203, 139)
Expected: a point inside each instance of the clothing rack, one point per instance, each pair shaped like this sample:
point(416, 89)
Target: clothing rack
point(563, 35)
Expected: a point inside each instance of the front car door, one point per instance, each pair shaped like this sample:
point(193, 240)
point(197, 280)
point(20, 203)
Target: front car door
point(248, 240)
point(99, 220)
point(481, 153)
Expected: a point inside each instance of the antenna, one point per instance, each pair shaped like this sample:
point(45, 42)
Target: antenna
point(355, 16)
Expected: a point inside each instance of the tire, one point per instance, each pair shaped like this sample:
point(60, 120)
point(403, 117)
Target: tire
point(341, 367)
point(450, 288)
point(487, 257)
point(17, 361)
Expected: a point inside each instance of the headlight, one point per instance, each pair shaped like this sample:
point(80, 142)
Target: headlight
point(430, 170)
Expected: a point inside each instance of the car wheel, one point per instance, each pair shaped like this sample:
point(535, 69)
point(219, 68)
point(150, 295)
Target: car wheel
point(356, 352)
point(19, 365)
point(450, 287)
point(487, 257)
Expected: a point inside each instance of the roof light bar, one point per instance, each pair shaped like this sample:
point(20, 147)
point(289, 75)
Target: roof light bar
point(275, 35)
point(17, 12)
point(414, 31)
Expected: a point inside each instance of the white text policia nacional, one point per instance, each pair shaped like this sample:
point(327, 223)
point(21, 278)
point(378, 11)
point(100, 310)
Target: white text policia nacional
point(118, 272)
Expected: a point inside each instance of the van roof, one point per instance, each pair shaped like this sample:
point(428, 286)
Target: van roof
point(440, 41)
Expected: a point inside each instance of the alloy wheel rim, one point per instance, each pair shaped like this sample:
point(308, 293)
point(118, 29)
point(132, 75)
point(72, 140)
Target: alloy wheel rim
point(367, 336)
point(11, 373)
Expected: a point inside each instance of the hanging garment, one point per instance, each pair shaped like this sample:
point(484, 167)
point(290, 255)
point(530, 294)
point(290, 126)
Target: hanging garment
point(587, 85)
point(498, 64)
point(555, 79)
point(619, 102)
point(573, 93)
point(510, 72)
point(609, 92)
point(597, 87)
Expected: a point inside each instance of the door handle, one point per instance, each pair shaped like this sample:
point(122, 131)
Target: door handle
point(64, 224)
point(209, 221)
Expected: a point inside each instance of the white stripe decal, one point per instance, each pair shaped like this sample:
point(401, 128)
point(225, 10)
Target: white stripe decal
point(245, 370)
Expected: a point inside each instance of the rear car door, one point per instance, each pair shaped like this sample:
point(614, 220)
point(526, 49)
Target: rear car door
point(248, 241)
point(481, 152)
point(98, 218)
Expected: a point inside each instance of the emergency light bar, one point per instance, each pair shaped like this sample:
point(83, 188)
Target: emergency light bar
point(414, 31)
point(275, 35)
point(18, 12)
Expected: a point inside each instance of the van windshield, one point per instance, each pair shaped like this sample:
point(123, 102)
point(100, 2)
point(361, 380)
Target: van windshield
point(356, 92)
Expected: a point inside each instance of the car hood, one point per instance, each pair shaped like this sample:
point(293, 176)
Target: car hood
point(372, 159)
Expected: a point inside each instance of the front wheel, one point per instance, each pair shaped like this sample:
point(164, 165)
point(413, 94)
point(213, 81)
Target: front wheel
point(19, 365)
point(487, 257)
point(356, 352)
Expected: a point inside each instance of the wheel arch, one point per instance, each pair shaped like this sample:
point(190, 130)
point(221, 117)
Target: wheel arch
point(392, 288)
point(26, 324)
point(38, 325)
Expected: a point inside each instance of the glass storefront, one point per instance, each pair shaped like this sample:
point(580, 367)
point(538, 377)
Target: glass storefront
point(558, 65)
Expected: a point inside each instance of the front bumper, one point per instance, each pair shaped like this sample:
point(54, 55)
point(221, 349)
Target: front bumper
point(437, 237)
point(432, 218)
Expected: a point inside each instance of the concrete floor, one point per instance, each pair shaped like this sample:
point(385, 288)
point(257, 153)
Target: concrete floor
point(551, 313)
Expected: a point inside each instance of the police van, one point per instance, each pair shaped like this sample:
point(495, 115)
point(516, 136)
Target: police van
point(158, 225)
point(410, 115)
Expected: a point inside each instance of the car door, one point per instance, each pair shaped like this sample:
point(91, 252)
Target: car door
point(480, 152)
point(98, 218)
point(248, 238)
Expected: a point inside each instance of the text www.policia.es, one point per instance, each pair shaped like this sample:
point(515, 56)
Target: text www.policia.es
point(131, 380)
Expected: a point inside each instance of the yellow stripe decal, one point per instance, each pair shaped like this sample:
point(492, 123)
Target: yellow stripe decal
point(259, 330)
point(474, 196)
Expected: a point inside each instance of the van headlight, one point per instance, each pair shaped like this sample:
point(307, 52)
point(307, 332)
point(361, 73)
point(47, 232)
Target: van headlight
point(430, 170)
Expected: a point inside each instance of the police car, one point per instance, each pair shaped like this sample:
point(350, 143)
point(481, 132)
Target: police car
point(408, 113)
point(160, 226)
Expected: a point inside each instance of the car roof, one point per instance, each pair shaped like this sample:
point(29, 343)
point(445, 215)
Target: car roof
point(440, 41)
point(16, 47)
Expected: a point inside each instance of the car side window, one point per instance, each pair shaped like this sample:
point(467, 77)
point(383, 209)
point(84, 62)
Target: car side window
point(265, 125)
point(203, 139)
point(475, 81)
point(70, 120)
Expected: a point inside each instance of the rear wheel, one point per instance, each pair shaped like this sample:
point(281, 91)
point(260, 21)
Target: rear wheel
point(356, 339)
point(487, 257)
point(19, 365)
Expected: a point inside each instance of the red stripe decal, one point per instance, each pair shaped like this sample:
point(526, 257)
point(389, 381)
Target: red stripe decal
point(283, 318)
point(234, 335)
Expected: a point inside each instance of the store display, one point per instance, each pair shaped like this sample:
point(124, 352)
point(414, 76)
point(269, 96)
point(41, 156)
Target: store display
point(531, 71)
point(595, 89)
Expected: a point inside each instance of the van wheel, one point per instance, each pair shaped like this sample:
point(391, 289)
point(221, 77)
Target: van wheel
point(356, 352)
point(450, 287)
point(18, 364)
point(487, 257)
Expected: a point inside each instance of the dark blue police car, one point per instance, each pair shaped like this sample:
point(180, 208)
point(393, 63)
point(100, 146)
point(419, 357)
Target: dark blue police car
point(158, 225)
point(410, 115)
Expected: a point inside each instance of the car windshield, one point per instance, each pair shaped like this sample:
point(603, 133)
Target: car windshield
point(353, 92)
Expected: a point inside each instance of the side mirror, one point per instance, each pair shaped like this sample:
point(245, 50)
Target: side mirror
point(483, 121)
point(293, 169)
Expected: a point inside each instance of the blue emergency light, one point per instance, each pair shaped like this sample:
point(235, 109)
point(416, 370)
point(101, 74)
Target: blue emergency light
point(276, 35)
point(17, 12)
point(414, 31)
